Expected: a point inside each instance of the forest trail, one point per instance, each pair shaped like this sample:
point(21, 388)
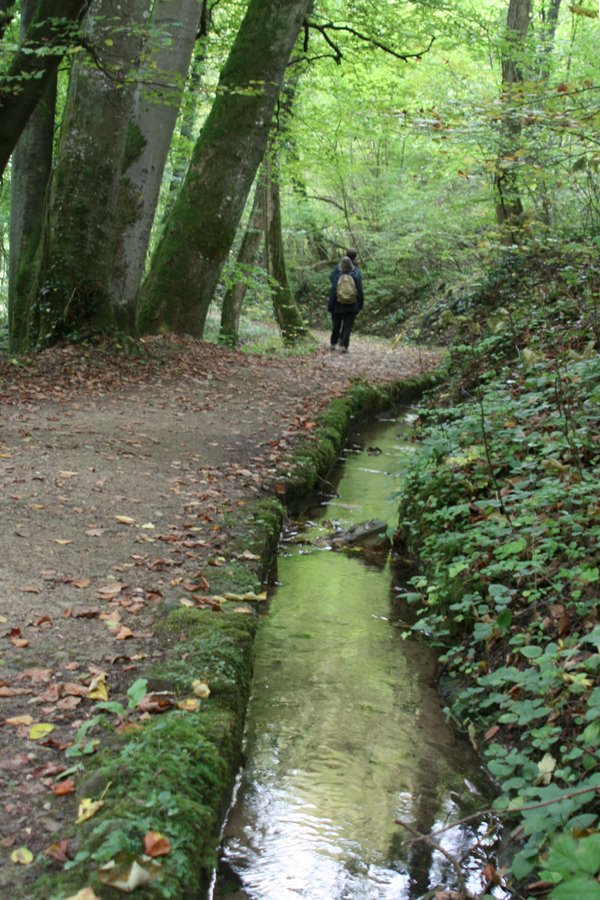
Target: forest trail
point(117, 474)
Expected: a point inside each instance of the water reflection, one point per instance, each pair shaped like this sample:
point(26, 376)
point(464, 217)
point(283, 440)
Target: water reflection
point(345, 733)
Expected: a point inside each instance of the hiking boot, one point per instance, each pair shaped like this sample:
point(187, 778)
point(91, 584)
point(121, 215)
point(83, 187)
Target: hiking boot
point(344, 349)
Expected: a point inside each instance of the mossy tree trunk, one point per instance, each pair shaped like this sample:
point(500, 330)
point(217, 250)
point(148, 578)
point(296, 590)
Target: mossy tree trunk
point(509, 208)
point(54, 24)
point(70, 297)
point(285, 308)
point(201, 226)
point(30, 173)
point(158, 97)
point(253, 236)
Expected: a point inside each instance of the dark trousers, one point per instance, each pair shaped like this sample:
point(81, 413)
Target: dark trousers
point(342, 326)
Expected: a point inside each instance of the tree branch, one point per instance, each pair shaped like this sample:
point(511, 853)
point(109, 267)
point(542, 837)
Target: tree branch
point(331, 26)
point(52, 31)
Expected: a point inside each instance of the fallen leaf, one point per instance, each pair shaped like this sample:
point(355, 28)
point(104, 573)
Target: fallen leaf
point(62, 541)
point(156, 844)
point(98, 689)
point(126, 875)
point(110, 590)
point(58, 851)
point(86, 893)
point(37, 676)
point(87, 809)
point(81, 583)
point(247, 554)
point(40, 730)
point(13, 692)
point(22, 856)
point(73, 689)
point(125, 520)
point(20, 643)
point(19, 720)
point(200, 688)
point(63, 787)
point(65, 473)
point(124, 634)
point(189, 704)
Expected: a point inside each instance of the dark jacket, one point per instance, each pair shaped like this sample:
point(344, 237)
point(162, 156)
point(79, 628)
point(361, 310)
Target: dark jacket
point(340, 309)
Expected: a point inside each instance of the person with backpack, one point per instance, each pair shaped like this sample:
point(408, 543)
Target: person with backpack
point(345, 301)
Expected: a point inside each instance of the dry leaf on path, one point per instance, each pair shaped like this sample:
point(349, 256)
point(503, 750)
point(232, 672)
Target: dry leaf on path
point(40, 730)
point(22, 856)
point(125, 520)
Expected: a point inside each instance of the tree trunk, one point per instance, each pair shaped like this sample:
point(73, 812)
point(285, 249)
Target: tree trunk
point(30, 173)
point(165, 66)
point(201, 227)
point(509, 209)
point(187, 126)
point(72, 296)
point(286, 311)
point(55, 24)
point(549, 24)
point(253, 236)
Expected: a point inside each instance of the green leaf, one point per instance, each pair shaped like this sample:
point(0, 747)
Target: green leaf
point(137, 692)
point(576, 889)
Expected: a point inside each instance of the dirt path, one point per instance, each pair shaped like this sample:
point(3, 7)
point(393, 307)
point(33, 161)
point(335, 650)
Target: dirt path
point(116, 474)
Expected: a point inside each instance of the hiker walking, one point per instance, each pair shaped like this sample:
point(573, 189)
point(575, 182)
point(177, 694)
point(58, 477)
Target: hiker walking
point(345, 301)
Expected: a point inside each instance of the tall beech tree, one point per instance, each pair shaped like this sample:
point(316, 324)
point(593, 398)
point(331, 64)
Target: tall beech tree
point(54, 27)
point(30, 173)
point(509, 208)
point(231, 309)
point(174, 27)
point(70, 281)
point(201, 226)
point(285, 308)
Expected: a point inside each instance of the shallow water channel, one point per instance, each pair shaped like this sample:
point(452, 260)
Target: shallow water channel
point(345, 732)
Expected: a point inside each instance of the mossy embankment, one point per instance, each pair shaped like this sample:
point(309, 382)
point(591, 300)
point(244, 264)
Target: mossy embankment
point(172, 773)
point(501, 507)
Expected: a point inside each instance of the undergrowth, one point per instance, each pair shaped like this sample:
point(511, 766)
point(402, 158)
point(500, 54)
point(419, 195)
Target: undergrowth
point(502, 506)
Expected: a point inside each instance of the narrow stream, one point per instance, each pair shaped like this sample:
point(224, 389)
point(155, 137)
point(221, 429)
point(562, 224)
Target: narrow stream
point(345, 731)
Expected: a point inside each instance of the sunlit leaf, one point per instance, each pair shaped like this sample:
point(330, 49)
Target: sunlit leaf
point(40, 730)
point(189, 704)
point(87, 809)
point(200, 688)
point(22, 856)
point(125, 520)
point(98, 689)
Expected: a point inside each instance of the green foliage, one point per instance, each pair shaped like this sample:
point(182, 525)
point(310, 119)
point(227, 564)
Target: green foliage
point(501, 505)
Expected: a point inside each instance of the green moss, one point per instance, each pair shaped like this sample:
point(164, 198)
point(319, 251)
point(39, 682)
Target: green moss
point(175, 774)
point(317, 454)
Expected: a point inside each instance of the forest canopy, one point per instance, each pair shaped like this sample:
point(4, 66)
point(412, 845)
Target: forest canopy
point(431, 136)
